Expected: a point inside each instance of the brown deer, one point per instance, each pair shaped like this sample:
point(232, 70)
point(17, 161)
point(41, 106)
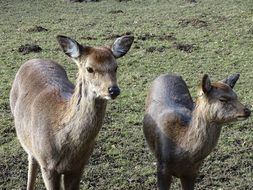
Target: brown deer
point(57, 122)
point(181, 134)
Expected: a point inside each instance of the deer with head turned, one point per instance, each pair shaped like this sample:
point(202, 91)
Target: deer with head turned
point(57, 122)
point(180, 133)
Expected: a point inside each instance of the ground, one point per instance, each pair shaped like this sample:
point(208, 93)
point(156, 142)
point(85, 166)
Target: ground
point(190, 39)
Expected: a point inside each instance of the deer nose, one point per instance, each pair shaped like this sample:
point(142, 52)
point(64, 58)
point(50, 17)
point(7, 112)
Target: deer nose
point(247, 112)
point(114, 91)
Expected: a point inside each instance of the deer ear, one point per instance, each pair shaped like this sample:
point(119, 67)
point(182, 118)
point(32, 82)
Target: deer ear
point(121, 45)
point(206, 84)
point(69, 46)
point(231, 80)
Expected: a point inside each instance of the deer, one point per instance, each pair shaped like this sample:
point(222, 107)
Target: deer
point(56, 121)
point(181, 133)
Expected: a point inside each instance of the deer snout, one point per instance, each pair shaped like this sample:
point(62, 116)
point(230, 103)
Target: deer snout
point(114, 91)
point(247, 112)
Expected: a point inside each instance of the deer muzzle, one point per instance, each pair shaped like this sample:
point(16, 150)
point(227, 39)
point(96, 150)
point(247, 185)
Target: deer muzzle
point(114, 91)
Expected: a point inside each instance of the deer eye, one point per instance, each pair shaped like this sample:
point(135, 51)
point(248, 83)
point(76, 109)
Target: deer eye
point(90, 70)
point(224, 100)
point(116, 69)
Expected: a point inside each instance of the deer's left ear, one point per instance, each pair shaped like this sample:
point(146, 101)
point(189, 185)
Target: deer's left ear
point(231, 80)
point(206, 84)
point(121, 45)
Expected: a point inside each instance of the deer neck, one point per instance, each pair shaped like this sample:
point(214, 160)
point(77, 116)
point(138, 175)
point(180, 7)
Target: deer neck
point(202, 135)
point(84, 115)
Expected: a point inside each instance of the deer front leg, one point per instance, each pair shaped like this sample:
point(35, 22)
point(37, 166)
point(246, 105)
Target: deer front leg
point(32, 172)
point(188, 182)
point(51, 179)
point(72, 181)
point(163, 176)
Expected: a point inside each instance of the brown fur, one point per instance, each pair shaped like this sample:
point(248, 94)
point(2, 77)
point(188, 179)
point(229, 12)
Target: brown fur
point(98, 55)
point(180, 135)
point(221, 86)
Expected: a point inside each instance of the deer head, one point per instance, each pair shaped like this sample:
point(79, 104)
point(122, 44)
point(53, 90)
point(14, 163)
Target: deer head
point(219, 100)
point(97, 65)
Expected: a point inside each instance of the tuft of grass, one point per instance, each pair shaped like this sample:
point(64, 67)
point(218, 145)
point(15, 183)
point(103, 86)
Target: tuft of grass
point(219, 35)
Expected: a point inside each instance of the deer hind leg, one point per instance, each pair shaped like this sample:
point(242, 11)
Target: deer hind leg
point(32, 172)
point(163, 176)
point(72, 181)
point(188, 182)
point(52, 179)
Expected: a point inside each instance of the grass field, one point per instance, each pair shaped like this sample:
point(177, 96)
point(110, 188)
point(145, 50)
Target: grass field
point(211, 36)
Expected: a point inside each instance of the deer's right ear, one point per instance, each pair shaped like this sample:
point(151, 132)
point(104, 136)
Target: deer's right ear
point(206, 84)
point(69, 46)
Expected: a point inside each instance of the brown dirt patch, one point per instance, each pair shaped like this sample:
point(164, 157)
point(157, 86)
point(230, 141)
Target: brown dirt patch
point(151, 49)
point(191, 1)
point(88, 38)
point(195, 22)
point(136, 47)
point(168, 37)
point(150, 36)
point(114, 36)
point(37, 29)
point(184, 47)
point(146, 36)
point(116, 12)
point(156, 49)
point(28, 48)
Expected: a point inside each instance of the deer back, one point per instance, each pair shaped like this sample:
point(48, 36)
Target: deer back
point(39, 84)
point(169, 92)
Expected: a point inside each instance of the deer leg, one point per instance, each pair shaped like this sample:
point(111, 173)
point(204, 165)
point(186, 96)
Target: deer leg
point(32, 172)
point(188, 182)
point(72, 181)
point(51, 179)
point(163, 177)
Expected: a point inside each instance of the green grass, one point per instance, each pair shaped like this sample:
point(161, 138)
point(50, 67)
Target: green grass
point(222, 36)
